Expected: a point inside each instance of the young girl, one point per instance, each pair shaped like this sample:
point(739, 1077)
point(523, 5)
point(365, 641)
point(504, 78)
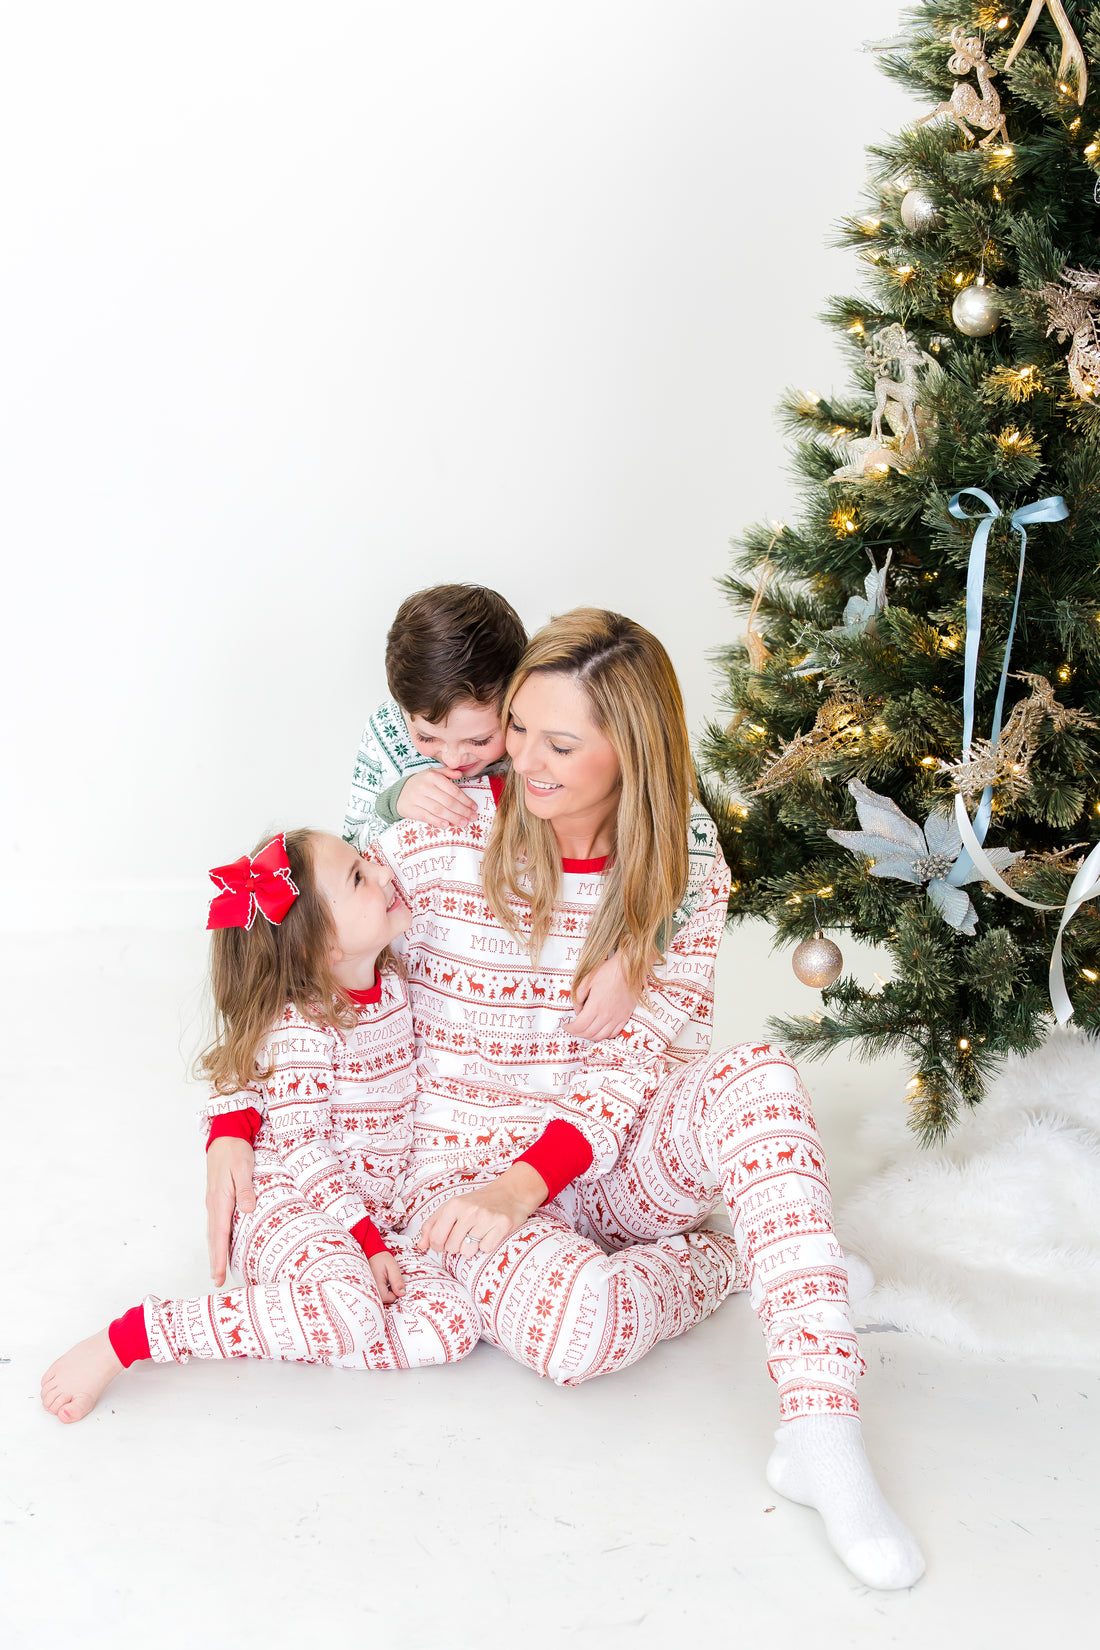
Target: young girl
point(312, 1011)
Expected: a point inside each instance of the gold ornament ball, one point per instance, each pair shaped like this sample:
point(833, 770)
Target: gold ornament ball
point(919, 212)
point(977, 311)
point(817, 962)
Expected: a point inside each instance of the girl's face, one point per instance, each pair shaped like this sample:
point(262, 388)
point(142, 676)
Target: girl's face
point(367, 911)
point(568, 765)
point(466, 742)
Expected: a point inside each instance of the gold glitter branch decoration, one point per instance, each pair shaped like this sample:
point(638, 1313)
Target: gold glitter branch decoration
point(1006, 764)
point(836, 732)
point(759, 653)
point(1073, 306)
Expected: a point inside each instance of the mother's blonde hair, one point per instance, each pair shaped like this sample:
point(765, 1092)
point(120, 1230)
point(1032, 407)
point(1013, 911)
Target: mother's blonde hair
point(636, 703)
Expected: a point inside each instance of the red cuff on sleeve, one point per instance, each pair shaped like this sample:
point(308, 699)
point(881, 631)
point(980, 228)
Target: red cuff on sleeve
point(369, 1238)
point(235, 1125)
point(559, 1155)
point(129, 1338)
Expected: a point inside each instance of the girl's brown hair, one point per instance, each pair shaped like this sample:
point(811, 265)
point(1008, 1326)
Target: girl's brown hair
point(255, 972)
point(636, 703)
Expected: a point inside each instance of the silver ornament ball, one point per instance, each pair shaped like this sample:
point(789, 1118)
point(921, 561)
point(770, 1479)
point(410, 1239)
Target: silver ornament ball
point(919, 212)
point(977, 311)
point(817, 962)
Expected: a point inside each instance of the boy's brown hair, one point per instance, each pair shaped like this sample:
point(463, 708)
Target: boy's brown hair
point(255, 972)
point(452, 642)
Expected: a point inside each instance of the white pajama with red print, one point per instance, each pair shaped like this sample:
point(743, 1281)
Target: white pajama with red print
point(672, 1127)
point(338, 1106)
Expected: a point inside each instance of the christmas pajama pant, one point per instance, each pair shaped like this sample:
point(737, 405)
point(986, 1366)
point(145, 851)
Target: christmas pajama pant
point(736, 1126)
point(310, 1297)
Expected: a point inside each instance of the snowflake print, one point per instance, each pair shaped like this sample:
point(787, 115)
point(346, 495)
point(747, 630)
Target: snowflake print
point(771, 1113)
point(748, 1118)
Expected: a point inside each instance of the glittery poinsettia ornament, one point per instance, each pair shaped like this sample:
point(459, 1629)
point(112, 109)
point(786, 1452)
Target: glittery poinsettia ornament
point(898, 848)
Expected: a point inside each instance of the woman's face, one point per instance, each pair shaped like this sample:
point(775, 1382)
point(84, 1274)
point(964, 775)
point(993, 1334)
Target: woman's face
point(568, 766)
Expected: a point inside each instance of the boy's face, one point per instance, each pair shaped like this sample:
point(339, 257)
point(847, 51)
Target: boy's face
point(466, 742)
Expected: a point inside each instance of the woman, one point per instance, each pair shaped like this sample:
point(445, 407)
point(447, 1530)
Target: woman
point(534, 1153)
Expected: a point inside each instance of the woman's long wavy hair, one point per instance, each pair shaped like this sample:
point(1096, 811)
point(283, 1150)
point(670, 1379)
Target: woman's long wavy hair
point(255, 972)
point(636, 703)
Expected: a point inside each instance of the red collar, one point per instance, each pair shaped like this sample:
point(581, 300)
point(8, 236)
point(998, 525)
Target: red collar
point(372, 994)
point(496, 781)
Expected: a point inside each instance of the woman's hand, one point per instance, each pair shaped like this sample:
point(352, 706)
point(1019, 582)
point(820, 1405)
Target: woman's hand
point(228, 1186)
point(483, 1219)
point(434, 798)
point(604, 1003)
point(388, 1276)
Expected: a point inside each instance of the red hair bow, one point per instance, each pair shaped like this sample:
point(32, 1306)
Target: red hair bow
point(263, 882)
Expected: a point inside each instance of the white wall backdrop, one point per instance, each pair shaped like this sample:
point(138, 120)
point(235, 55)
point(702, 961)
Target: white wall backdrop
point(309, 306)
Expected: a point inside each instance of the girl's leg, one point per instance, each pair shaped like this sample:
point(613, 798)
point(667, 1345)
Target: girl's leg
point(311, 1298)
point(558, 1303)
point(739, 1125)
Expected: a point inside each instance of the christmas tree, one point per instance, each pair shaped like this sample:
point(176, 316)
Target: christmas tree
point(864, 698)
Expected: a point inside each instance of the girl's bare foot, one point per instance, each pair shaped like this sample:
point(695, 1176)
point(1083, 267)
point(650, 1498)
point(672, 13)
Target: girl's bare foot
point(72, 1385)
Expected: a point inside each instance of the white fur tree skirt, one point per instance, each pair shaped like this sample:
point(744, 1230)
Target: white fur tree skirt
point(991, 1242)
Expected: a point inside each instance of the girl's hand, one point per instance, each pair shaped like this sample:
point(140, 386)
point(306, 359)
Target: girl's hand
point(433, 797)
point(483, 1219)
point(388, 1276)
point(228, 1187)
point(604, 1003)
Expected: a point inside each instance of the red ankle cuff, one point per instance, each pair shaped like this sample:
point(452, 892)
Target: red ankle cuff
point(129, 1337)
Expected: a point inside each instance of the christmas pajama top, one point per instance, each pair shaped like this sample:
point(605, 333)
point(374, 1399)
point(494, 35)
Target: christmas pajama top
point(337, 1109)
point(495, 1068)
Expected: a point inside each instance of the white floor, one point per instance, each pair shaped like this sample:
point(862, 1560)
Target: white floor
point(240, 1505)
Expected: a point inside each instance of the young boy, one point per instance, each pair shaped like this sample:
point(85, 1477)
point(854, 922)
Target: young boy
point(450, 654)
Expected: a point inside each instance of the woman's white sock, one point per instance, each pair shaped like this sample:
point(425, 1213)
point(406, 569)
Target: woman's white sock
point(819, 1461)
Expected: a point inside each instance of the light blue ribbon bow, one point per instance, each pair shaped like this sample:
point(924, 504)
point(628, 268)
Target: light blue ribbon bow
point(1086, 884)
point(1044, 509)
